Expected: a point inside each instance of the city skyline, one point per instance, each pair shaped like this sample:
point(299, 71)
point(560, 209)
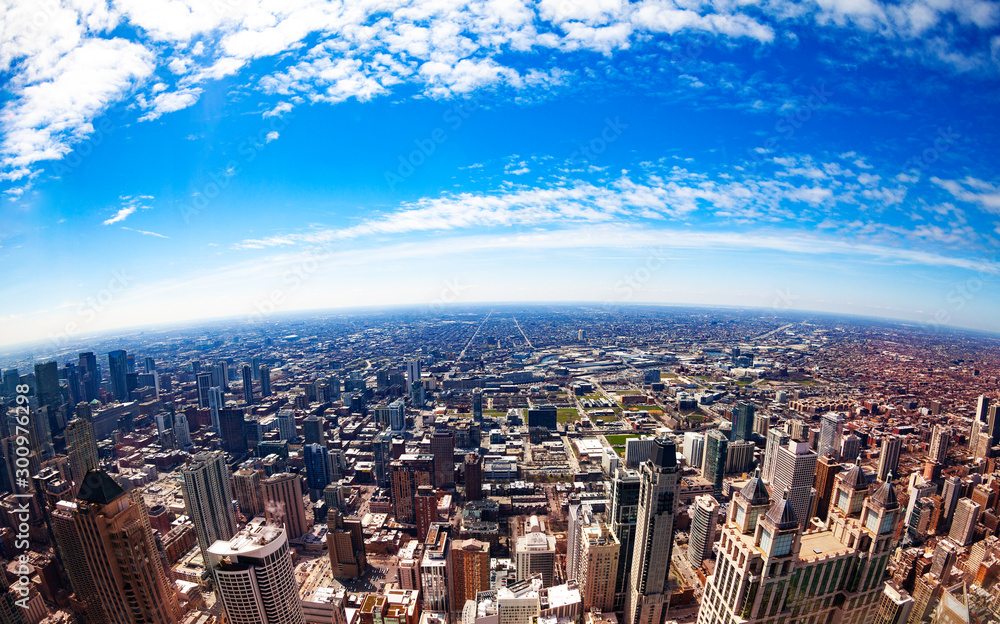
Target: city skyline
point(240, 160)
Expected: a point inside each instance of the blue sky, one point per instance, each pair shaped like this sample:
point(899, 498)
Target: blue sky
point(164, 160)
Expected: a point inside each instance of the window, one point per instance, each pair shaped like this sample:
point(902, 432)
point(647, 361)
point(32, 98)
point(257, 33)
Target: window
point(783, 544)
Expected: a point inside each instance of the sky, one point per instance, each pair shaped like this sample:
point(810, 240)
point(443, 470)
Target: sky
point(163, 161)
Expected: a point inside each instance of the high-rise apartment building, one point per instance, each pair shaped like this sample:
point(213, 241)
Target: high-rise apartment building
point(894, 605)
point(312, 430)
point(830, 432)
point(938, 450)
point(434, 585)
point(90, 376)
point(317, 463)
point(81, 446)
point(345, 546)
point(598, 557)
point(74, 560)
point(283, 503)
point(649, 591)
point(535, 552)
point(743, 417)
point(469, 571)
point(265, 380)
point(693, 448)
point(776, 438)
point(254, 576)
point(703, 523)
point(716, 456)
point(477, 406)
point(443, 450)
point(203, 382)
point(247, 384)
point(249, 495)
point(118, 545)
point(406, 474)
point(826, 469)
point(208, 498)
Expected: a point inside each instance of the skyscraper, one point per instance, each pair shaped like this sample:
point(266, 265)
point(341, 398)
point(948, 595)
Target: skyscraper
point(249, 495)
point(694, 448)
point(254, 576)
point(598, 558)
point(397, 416)
point(49, 394)
point(776, 438)
point(208, 498)
point(119, 548)
point(716, 457)
point(888, 461)
point(405, 475)
point(214, 405)
point(425, 509)
point(283, 503)
point(950, 493)
point(938, 450)
point(317, 463)
point(624, 512)
point(345, 545)
point(412, 376)
point(265, 380)
point(469, 571)
point(312, 430)
point(204, 383)
point(649, 592)
point(286, 425)
point(477, 406)
point(233, 431)
point(247, 384)
point(743, 417)
point(993, 424)
point(90, 376)
point(535, 552)
point(117, 369)
point(81, 446)
point(706, 515)
point(830, 432)
point(74, 560)
point(443, 450)
point(964, 524)
point(894, 605)
point(826, 469)
point(795, 471)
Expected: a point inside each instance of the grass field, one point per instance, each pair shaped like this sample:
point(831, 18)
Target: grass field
point(567, 414)
point(619, 440)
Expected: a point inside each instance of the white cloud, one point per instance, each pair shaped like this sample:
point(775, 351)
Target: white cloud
point(145, 232)
point(973, 190)
point(121, 215)
point(271, 136)
point(171, 102)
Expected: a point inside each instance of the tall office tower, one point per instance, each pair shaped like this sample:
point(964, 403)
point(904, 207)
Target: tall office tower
point(412, 376)
point(74, 385)
point(90, 376)
point(981, 420)
point(473, 477)
point(945, 557)
point(477, 405)
point(81, 446)
point(215, 403)
point(950, 494)
point(247, 384)
point(518, 603)
point(926, 592)
point(850, 448)
point(254, 576)
point(11, 379)
point(470, 571)
point(312, 430)
point(345, 545)
point(826, 470)
point(220, 375)
point(117, 369)
point(434, 583)
point(182, 431)
point(265, 380)
point(119, 548)
point(317, 463)
point(743, 417)
point(993, 424)
point(425, 509)
point(768, 565)
point(706, 516)
point(938, 450)
point(255, 367)
point(382, 450)
point(776, 438)
point(599, 554)
point(130, 363)
point(286, 425)
point(397, 417)
point(888, 461)
point(443, 450)
point(894, 605)
point(406, 474)
point(283, 503)
point(649, 592)
point(795, 471)
point(918, 489)
point(918, 522)
point(624, 511)
point(249, 495)
point(204, 383)
point(70, 550)
point(49, 395)
point(693, 448)
point(716, 456)
point(535, 552)
point(233, 431)
point(208, 498)
point(830, 431)
point(963, 526)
